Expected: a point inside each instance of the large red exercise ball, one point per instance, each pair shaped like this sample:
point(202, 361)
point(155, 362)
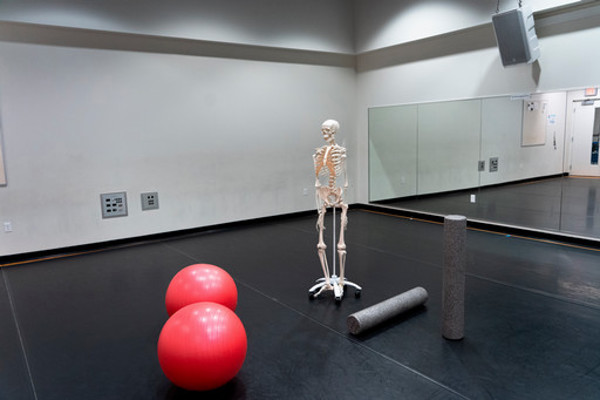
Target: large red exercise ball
point(201, 282)
point(202, 346)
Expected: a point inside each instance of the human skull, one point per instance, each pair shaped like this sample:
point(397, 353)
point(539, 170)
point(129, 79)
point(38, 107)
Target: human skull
point(329, 129)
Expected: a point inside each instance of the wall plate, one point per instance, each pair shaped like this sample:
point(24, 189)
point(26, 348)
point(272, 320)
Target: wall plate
point(493, 164)
point(114, 204)
point(149, 201)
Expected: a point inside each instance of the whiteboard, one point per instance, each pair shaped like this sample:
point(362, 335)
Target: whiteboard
point(535, 113)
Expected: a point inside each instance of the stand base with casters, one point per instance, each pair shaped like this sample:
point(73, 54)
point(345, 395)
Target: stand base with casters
point(335, 285)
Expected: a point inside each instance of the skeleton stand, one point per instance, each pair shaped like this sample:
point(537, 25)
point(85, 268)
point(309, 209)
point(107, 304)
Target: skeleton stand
point(335, 283)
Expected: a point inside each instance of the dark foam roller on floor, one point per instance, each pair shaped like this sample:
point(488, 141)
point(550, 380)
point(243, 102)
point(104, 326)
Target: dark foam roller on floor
point(455, 261)
point(376, 314)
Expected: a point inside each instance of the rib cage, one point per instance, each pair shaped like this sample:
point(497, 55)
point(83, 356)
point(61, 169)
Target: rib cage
point(329, 162)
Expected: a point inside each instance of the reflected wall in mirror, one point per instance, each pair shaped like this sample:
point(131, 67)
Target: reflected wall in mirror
point(2, 170)
point(507, 159)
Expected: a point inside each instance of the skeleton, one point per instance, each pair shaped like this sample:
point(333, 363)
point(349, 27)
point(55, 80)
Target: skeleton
point(330, 164)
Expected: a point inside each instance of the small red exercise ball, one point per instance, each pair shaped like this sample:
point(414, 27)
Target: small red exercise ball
point(201, 282)
point(202, 346)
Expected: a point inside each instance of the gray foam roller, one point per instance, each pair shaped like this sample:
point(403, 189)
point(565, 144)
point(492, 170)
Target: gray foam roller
point(369, 317)
point(453, 297)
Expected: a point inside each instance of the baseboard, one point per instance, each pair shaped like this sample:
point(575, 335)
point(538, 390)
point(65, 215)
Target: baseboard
point(15, 259)
point(499, 228)
point(559, 237)
point(470, 190)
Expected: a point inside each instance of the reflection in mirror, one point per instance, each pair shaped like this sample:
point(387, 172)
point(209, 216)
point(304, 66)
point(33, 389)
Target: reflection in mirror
point(508, 159)
point(595, 137)
point(2, 170)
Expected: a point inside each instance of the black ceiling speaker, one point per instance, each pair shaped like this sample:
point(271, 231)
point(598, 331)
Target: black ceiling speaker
point(515, 34)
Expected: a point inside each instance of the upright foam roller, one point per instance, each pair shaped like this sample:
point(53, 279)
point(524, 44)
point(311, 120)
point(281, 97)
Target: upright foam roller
point(369, 317)
point(453, 301)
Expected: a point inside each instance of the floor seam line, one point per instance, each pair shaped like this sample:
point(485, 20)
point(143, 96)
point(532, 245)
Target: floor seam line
point(536, 291)
point(183, 253)
point(363, 346)
point(468, 274)
point(19, 334)
point(440, 268)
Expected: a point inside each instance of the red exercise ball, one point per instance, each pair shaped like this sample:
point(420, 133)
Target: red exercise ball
point(202, 346)
point(201, 282)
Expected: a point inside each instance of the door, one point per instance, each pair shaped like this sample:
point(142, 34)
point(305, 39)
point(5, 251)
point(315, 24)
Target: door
point(586, 131)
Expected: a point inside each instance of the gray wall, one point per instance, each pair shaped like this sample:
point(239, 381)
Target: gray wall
point(385, 23)
point(307, 24)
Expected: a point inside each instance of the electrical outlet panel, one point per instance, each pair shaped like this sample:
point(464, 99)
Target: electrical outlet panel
point(493, 164)
point(149, 201)
point(114, 204)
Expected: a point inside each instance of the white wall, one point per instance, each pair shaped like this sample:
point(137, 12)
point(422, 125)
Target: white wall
point(213, 134)
point(387, 77)
point(219, 139)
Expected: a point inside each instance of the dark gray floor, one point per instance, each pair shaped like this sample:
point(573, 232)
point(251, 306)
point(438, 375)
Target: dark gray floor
point(565, 204)
point(86, 327)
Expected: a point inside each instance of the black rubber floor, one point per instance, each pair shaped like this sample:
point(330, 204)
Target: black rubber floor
point(568, 204)
point(86, 327)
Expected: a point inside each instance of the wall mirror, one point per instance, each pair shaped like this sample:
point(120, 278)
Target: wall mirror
point(529, 161)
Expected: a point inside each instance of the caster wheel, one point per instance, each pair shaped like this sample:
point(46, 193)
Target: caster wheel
point(357, 294)
point(311, 295)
